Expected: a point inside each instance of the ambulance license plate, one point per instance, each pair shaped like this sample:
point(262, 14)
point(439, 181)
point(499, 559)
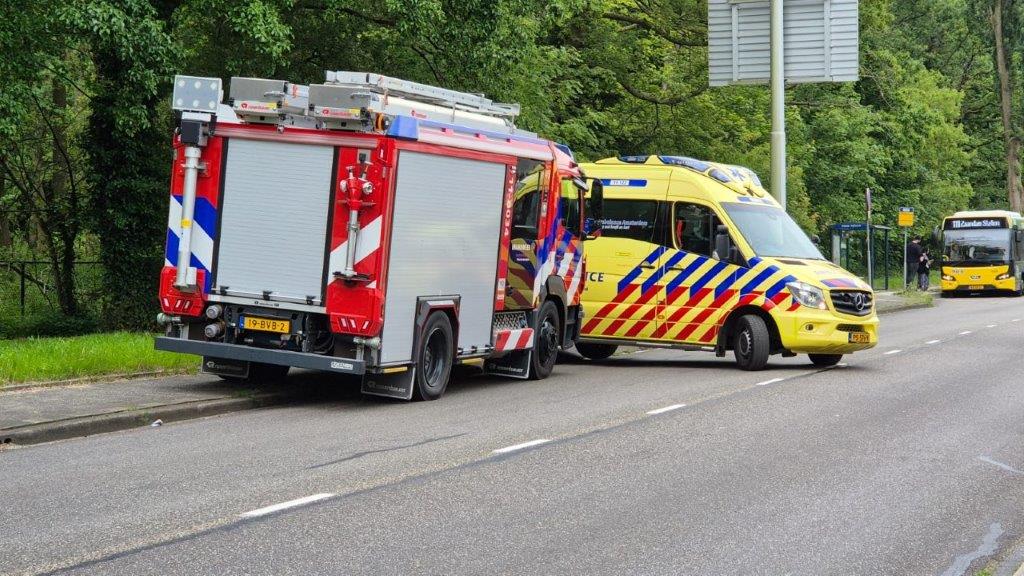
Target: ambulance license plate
point(266, 324)
point(975, 287)
point(859, 338)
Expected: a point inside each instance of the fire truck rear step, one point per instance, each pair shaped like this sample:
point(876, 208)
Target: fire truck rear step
point(264, 355)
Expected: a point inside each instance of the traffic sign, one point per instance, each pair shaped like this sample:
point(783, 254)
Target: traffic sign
point(906, 217)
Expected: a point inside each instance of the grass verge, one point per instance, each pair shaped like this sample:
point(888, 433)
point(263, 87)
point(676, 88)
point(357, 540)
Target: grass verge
point(47, 359)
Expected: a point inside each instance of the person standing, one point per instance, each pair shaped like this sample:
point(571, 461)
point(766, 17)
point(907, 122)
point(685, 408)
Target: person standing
point(913, 260)
point(922, 270)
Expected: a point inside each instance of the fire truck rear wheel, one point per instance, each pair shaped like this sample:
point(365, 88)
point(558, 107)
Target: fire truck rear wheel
point(434, 358)
point(751, 343)
point(545, 342)
point(593, 351)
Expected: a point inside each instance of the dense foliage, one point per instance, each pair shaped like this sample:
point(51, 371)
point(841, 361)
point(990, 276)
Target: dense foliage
point(933, 122)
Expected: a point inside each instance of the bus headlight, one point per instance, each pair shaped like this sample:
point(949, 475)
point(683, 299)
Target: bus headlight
point(807, 295)
point(1004, 276)
point(948, 278)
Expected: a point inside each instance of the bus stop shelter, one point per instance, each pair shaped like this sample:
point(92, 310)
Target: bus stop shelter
point(857, 251)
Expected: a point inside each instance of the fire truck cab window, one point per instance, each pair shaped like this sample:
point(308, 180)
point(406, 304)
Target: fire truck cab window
point(635, 219)
point(529, 190)
point(693, 228)
point(569, 207)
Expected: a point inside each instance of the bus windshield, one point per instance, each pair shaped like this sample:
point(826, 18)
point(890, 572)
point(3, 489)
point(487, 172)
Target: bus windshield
point(771, 232)
point(976, 246)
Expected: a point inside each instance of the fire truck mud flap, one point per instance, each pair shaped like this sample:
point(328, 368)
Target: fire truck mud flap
point(215, 350)
point(390, 385)
point(512, 365)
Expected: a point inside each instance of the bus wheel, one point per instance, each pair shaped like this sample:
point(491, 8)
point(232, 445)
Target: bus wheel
point(825, 360)
point(545, 342)
point(593, 351)
point(751, 343)
point(434, 358)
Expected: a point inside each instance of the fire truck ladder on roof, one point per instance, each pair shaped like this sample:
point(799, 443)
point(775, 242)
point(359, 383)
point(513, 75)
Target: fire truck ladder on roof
point(346, 95)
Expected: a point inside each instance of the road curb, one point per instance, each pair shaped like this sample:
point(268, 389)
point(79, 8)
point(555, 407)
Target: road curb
point(915, 306)
point(125, 419)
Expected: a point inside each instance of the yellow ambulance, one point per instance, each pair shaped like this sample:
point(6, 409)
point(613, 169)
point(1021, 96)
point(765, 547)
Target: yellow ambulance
point(696, 255)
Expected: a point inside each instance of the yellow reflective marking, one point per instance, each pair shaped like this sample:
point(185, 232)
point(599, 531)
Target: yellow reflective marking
point(396, 369)
point(185, 223)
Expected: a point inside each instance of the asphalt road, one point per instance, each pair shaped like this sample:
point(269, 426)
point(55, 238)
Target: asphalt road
point(908, 460)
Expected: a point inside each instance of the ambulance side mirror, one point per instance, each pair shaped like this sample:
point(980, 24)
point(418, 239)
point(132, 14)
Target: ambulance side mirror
point(723, 245)
point(594, 210)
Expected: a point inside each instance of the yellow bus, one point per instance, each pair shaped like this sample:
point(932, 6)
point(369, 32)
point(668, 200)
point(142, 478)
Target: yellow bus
point(983, 251)
point(696, 255)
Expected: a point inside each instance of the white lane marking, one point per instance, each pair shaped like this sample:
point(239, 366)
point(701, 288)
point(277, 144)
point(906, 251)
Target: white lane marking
point(515, 447)
point(767, 382)
point(285, 505)
point(842, 365)
point(666, 409)
point(896, 351)
point(1006, 467)
point(933, 341)
point(1015, 320)
point(990, 326)
point(965, 332)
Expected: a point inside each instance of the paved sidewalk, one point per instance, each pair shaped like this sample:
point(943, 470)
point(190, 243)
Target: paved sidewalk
point(892, 301)
point(32, 415)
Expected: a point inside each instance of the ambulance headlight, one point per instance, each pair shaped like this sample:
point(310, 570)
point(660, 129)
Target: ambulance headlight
point(807, 295)
point(1004, 276)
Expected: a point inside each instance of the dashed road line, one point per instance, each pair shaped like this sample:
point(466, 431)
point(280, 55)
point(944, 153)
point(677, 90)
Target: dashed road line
point(933, 341)
point(1015, 320)
point(1006, 467)
point(896, 351)
point(990, 326)
point(515, 447)
point(286, 505)
point(767, 382)
point(965, 332)
point(666, 409)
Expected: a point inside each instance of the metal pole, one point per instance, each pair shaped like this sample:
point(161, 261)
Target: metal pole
point(188, 206)
point(905, 279)
point(778, 89)
point(22, 289)
point(888, 248)
point(870, 247)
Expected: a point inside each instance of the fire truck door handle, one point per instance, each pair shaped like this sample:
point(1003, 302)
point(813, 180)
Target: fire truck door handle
point(647, 266)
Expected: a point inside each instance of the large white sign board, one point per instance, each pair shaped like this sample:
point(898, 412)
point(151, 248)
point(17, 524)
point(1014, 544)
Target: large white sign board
point(821, 41)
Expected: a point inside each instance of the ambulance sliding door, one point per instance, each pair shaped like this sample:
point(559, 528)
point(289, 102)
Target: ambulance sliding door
point(622, 298)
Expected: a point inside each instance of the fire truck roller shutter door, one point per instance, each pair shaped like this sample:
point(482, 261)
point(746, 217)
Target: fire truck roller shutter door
point(274, 219)
point(444, 241)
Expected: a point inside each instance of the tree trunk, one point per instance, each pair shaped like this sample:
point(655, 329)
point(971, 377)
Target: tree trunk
point(60, 227)
point(6, 240)
point(1014, 191)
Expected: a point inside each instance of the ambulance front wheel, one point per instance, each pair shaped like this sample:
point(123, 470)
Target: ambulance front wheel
point(593, 351)
point(545, 342)
point(751, 343)
point(434, 358)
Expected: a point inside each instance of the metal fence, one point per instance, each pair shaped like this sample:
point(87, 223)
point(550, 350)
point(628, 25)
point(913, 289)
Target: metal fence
point(27, 287)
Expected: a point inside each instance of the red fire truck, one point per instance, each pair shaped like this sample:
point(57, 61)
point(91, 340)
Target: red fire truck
point(367, 226)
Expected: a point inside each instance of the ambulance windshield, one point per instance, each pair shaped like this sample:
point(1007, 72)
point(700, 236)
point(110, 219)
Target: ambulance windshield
point(771, 232)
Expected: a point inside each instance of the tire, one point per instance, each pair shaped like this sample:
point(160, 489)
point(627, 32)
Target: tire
point(545, 341)
point(751, 343)
point(825, 360)
point(435, 355)
point(593, 351)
